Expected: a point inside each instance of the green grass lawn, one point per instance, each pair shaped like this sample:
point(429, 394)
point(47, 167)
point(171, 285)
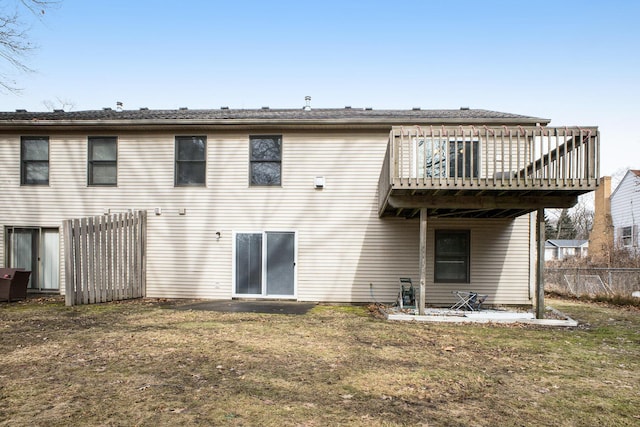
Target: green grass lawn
point(146, 363)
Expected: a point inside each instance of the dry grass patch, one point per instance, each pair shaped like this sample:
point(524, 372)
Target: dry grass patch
point(145, 363)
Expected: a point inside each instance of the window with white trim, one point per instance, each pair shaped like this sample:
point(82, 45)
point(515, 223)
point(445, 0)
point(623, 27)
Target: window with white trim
point(626, 236)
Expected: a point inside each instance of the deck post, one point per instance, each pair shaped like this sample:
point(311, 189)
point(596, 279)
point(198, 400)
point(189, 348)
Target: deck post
point(423, 260)
point(540, 239)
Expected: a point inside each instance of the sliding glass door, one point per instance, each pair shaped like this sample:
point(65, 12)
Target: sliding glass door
point(265, 264)
point(37, 250)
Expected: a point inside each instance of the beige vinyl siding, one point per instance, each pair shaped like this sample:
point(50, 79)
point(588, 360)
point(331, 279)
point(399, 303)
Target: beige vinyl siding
point(500, 253)
point(343, 246)
point(500, 256)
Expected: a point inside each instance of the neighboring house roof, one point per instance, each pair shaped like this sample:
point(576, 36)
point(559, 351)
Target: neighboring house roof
point(263, 116)
point(562, 243)
point(630, 172)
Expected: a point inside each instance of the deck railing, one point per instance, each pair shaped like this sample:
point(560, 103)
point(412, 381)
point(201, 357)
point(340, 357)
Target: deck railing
point(448, 157)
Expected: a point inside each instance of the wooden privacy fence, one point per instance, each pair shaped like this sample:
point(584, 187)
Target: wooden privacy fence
point(105, 258)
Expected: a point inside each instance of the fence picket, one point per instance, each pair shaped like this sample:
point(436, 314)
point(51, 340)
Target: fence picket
point(109, 258)
point(90, 255)
point(103, 258)
point(119, 258)
point(134, 258)
point(124, 262)
point(70, 289)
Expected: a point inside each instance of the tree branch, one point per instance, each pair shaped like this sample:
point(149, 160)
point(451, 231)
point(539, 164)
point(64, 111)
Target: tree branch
point(14, 38)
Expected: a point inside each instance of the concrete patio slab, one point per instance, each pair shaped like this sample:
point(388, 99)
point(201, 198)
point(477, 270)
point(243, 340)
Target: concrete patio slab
point(482, 316)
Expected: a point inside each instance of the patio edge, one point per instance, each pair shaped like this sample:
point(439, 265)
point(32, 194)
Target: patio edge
point(567, 322)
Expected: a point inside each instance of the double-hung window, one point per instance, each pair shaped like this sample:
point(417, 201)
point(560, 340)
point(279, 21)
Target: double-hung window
point(34, 160)
point(103, 161)
point(452, 256)
point(266, 160)
point(627, 236)
point(191, 160)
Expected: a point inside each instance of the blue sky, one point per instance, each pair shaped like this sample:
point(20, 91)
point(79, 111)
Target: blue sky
point(575, 62)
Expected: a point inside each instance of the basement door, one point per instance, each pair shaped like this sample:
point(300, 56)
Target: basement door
point(265, 264)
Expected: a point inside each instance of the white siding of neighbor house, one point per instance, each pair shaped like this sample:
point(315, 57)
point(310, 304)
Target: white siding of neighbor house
point(343, 246)
point(625, 205)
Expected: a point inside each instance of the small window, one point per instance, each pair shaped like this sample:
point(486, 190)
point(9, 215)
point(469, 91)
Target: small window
point(266, 160)
point(452, 256)
point(34, 165)
point(627, 236)
point(191, 160)
point(103, 161)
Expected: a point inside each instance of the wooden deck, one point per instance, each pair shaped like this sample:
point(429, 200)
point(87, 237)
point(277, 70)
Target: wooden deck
point(486, 172)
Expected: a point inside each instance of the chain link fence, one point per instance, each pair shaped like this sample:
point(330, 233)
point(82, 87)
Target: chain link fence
point(592, 281)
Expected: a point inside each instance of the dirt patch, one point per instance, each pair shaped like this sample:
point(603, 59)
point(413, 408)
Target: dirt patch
point(146, 363)
point(266, 306)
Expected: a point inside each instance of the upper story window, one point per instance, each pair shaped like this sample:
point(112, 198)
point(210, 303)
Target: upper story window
point(191, 163)
point(103, 161)
point(452, 256)
point(34, 160)
point(266, 160)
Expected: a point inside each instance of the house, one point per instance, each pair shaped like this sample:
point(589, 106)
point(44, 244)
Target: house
point(625, 210)
point(306, 204)
point(561, 249)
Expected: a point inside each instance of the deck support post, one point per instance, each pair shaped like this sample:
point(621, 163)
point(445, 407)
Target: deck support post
point(540, 239)
point(423, 260)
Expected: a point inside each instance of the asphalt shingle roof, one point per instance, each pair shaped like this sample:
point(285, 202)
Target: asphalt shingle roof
point(267, 115)
point(565, 243)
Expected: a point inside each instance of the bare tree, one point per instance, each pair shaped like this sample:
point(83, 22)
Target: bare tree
point(582, 217)
point(59, 104)
point(617, 176)
point(14, 38)
point(565, 229)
